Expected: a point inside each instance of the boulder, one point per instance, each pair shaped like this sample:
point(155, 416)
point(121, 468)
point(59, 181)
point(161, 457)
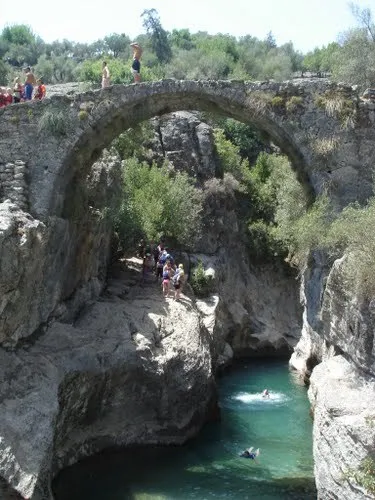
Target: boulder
point(343, 403)
point(131, 370)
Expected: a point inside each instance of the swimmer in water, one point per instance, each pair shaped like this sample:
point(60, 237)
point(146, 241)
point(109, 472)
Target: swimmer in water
point(265, 393)
point(249, 453)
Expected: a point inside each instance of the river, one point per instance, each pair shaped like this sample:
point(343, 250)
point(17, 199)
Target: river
point(209, 466)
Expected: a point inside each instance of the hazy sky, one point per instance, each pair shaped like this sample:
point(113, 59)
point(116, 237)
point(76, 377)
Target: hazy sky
point(307, 23)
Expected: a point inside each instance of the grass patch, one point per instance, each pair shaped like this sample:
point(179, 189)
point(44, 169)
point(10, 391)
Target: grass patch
point(294, 103)
point(53, 122)
point(277, 101)
point(338, 106)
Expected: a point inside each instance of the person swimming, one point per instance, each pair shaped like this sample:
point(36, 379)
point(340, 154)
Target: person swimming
point(266, 393)
point(249, 453)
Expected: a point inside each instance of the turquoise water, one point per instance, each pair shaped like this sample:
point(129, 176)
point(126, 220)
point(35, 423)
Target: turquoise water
point(209, 466)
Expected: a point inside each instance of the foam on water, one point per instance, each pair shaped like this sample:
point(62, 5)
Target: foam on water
point(248, 398)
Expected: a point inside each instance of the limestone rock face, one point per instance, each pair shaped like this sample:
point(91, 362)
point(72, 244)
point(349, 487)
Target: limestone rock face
point(187, 142)
point(348, 319)
point(312, 347)
point(131, 370)
point(343, 403)
point(60, 260)
point(254, 310)
point(336, 349)
point(258, 311)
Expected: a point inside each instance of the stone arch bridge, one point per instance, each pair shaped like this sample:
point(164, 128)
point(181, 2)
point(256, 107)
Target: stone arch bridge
point(326, 130)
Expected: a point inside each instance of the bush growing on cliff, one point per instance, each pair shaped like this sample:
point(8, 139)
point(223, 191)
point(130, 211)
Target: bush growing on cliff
point(201, 282)
point(364, 476)
point(132, 142)
point(54, 122)
point(158, 201)
point(229, 155)
point(352, 231)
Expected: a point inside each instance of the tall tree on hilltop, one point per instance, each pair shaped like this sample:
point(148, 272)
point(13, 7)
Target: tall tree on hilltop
point(270, 40)
point(364, 17)
point(19, 34)
point(158, 35)
point(117, 44)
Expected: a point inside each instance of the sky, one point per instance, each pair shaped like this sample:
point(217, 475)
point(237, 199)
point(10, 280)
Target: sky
point(307, 23)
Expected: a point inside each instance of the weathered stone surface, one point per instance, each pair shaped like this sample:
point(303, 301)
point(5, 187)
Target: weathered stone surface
point(343, 403)
point(349, 323)
point(342, 392)
point(13, 184)
point(321, 149)
point(258, 309)
point(61, 259)
point(55, 262)
point(187, 142)
point(135, 370)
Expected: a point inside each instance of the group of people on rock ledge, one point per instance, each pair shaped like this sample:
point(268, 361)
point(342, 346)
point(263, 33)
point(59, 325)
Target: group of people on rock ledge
point(136, 66)
point(158, 261)
point(31, 88)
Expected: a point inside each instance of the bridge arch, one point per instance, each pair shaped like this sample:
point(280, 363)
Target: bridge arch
point(93, 119)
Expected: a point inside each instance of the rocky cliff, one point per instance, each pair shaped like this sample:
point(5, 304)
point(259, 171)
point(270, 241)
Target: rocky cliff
point(257, 309)
point(84, 370)
point(133, 369)
point(51, 268)
point(336, 349)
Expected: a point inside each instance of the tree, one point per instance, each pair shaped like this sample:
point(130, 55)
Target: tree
point(354, 63)
point(56, 69)
point(364, 17)
point(176, 214)
point(271, 41)
point(117, 44)
point(3, 73)
point(18, 34)
point(158, 36)
point(182, 39)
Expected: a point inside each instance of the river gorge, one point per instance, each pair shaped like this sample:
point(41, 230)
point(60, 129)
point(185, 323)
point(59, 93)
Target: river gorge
point(94, 361)
point(209, 466)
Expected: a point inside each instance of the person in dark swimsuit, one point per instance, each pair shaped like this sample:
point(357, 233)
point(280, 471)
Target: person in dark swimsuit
point(249, 453)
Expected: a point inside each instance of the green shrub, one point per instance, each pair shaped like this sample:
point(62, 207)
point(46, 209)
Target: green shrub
point(158, 201)
point(200, 282)
point(350, 232)
point(277, 101)
point(229, 155)
point(364, 476)
point(53, 122)
point(263, 245)
point(294, 103)
point(83, 115)
point(133, 142)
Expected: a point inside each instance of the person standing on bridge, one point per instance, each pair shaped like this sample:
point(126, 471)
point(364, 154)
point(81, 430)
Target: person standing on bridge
point(136, 65)
point(29, 83)
point(106, 82)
